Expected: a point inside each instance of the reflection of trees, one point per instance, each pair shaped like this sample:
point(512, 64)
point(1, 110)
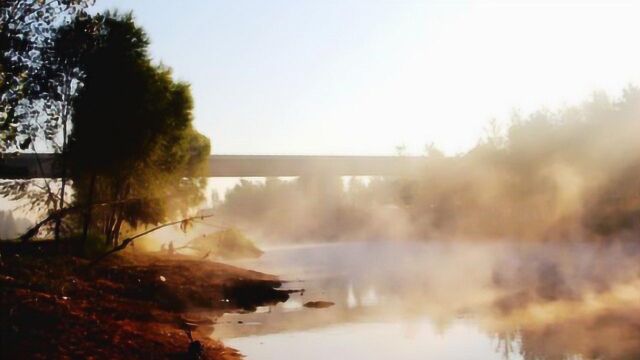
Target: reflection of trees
point(508, 344)
point(606, 334)
point(569, 302)
point(540, 301)
point(610, 335)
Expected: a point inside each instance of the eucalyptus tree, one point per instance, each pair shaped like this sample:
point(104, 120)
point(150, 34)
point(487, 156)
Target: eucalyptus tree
point(36, 89)
point(132, 143)
point(32, 98)
point(84, 86)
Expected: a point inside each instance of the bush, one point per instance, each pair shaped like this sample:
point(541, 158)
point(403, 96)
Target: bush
point(228, 244)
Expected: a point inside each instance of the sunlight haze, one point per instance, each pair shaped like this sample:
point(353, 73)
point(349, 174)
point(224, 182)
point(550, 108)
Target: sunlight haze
point(362, 77)
point(320, 179)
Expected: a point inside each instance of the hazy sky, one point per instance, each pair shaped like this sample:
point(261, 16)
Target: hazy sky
point(360, 77)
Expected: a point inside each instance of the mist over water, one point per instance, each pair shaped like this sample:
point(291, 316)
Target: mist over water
point(447, 300)
point(525, 247)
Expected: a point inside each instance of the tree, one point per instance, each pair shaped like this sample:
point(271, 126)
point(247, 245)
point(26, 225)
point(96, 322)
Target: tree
point(132, 142)
point(36, 89)
point(29, 101)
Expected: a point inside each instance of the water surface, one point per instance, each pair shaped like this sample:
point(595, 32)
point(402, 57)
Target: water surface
point(434, 300)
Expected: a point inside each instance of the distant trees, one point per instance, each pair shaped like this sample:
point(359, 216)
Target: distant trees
point(304, 209)
point(551, 175)
point(226, 244)
point(572, 173)
point(10, 226)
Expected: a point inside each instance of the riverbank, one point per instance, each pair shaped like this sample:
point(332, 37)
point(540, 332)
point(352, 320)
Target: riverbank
point(129, 306)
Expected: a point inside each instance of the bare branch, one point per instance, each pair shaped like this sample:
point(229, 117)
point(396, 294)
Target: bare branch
point(129, 240)
point(58, 214)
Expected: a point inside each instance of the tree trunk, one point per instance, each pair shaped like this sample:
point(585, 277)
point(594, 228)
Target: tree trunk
point(111, 221)
point(62, 188)
point(116, 230)
point(125, 190)
point(109, 228)
point(65, 113)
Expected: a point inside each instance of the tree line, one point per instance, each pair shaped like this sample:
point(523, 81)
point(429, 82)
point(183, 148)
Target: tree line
point(572, 173)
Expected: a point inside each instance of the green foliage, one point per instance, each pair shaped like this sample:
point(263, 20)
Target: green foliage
point(31, 91)
point(133, 143)
point(37, 83)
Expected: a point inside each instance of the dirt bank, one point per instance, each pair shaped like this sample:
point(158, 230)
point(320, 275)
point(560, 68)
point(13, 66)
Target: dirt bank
point(133, 306)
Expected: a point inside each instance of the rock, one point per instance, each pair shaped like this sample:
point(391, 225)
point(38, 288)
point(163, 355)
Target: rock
point(318, 304)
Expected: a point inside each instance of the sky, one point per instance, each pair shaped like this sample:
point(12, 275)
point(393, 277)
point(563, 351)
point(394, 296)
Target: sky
point(362, 77)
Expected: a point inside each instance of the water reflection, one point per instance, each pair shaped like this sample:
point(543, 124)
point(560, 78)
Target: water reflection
point(448, 301)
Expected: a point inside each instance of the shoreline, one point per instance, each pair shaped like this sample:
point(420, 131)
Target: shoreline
point(129, 306)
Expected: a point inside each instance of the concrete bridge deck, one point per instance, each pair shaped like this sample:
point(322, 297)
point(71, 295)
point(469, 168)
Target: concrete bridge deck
point(29, 166)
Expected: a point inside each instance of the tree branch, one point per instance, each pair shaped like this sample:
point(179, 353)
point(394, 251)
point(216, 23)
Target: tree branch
point(129, 240)
point(29, 234)
point(54, 215)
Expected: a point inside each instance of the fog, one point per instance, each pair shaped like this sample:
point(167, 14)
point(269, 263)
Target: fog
point(527, 240)
point(12, 226)
point(529, 300)
point(570, 173)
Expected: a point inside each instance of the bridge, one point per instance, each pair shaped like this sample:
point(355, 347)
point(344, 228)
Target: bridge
point(30, 166)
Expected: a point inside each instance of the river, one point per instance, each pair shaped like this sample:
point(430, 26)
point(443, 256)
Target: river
point(438, 300)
